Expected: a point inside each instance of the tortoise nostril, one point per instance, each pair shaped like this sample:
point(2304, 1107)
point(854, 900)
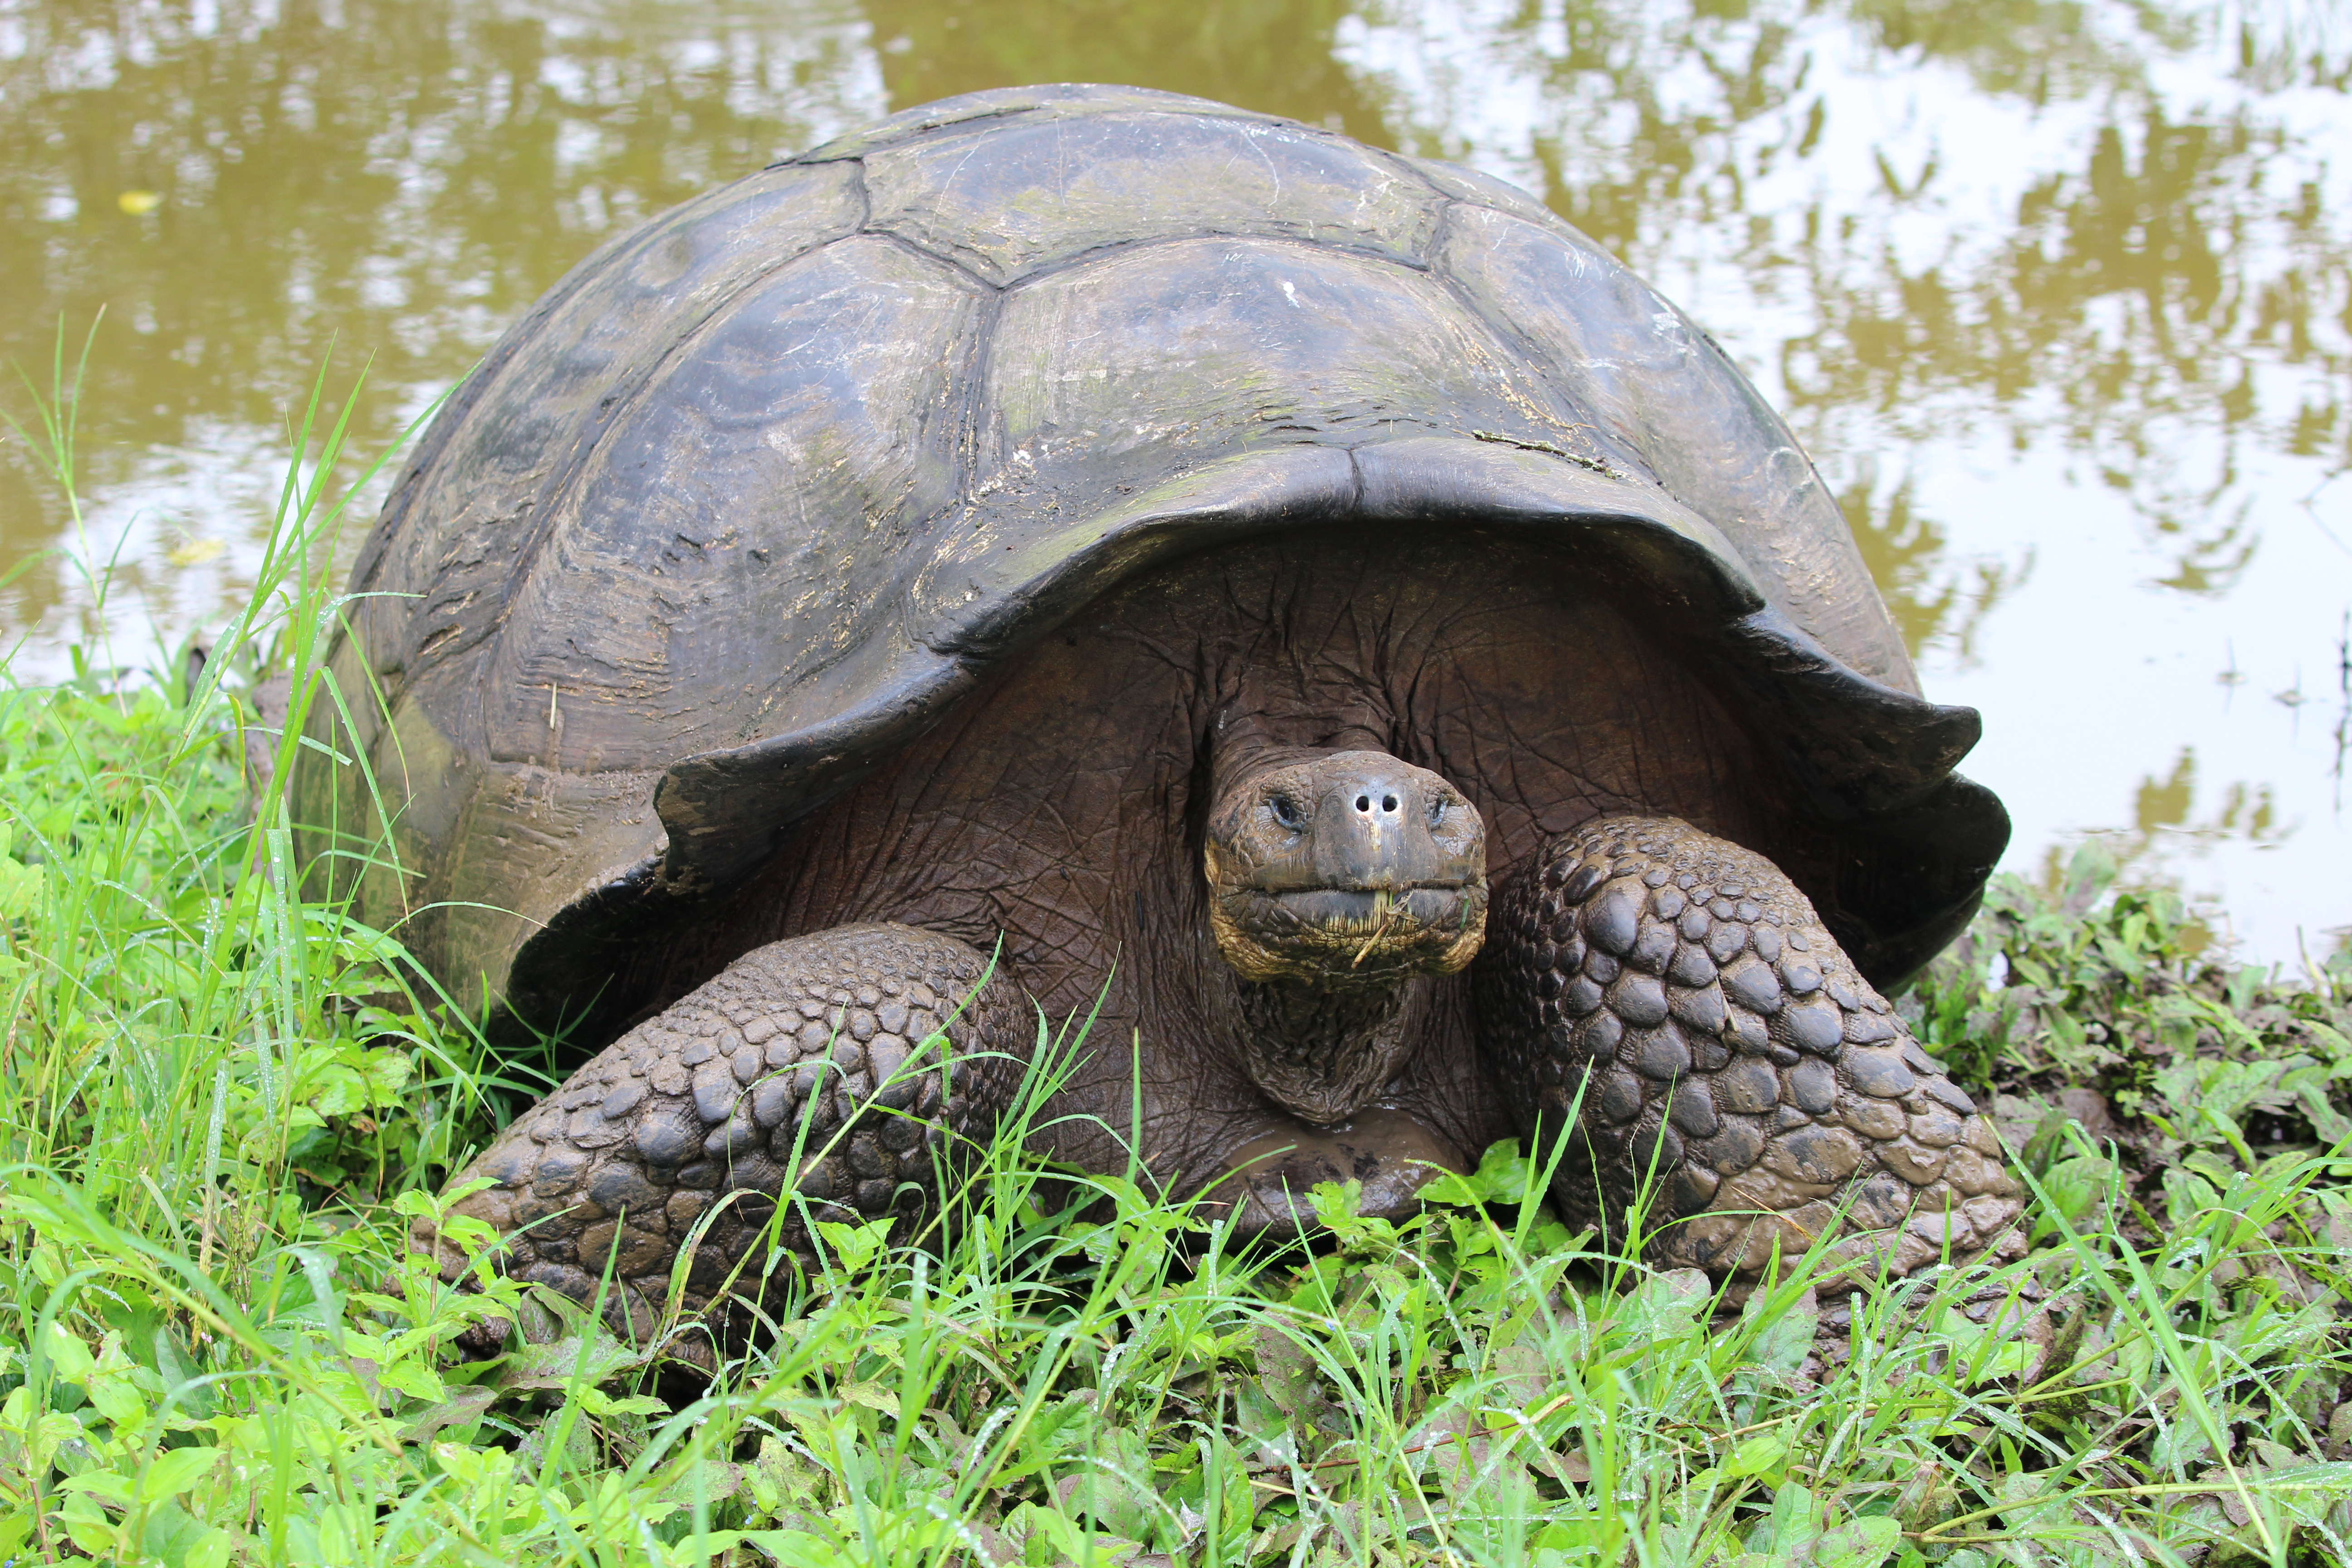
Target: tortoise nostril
point(1363, 803)
point(1388, 802)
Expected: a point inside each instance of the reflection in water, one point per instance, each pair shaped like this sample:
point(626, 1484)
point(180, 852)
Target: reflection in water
point(2247, 812)
point(2116, 297)
point(2210, 562)
point(2165, 805)
point(2055, 289)
point(386, 180)
point(2342, 734)
point(1270, 55)
point(406, 177)
point(2166, 825)
point(1936, 601)
point(2076, 272)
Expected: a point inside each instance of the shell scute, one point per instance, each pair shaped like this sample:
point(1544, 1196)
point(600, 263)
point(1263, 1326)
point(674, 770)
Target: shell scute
point(1174, 353)
point(474, 490)
point(785, 452)
point(1467, 185)
point(1043, 100)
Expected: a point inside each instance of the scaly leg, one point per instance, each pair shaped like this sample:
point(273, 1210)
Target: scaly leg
point(799, 1050)
point(1729, 1059)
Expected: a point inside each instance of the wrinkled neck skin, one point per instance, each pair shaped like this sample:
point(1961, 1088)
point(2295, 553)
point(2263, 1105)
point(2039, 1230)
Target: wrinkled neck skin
point(1325, 1052)
point(1341, 880)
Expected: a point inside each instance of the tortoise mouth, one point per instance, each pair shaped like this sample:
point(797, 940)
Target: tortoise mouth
point(1363, 911)
point(1350, 935)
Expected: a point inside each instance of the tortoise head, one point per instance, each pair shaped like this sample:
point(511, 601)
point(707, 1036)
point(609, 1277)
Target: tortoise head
point(1337, 869)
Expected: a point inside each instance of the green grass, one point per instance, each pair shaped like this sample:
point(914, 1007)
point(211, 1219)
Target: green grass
point(223, 1104)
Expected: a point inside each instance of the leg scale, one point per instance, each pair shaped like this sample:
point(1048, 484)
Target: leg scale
point(1720, 1056)
point(812, 1066)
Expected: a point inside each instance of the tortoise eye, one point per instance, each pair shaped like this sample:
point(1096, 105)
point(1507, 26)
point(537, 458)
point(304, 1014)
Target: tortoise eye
point(1286, 812)
point(1437, 810)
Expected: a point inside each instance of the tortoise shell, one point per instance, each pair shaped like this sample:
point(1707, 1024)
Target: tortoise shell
point(764, 488)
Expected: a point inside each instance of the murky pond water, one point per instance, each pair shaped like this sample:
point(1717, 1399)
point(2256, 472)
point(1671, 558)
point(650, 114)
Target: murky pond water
point(2059, 294)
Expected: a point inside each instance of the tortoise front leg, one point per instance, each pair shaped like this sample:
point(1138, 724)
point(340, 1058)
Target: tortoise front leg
point(812, 1050)
point(1730, 1061)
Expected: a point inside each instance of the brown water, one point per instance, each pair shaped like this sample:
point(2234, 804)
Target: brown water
point(2058, 294)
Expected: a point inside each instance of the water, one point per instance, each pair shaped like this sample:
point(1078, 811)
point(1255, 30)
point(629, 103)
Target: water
point(2059, 295)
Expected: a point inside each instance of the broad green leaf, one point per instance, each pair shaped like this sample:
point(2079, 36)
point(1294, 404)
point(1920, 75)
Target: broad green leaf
point(1759, 1456)
point(1858, 1543)
point(1042, 1526)
point(102, 1483)
point(871, 1396)
point(462, 1407)
point(20, 885)
point(69, 1358)
point(1785, 1328)
point(114, 1397)
point(1795, 1520)
point(854, 1246)
point(2075, 1188)
point(174, 1470)
point(596, 1402)
point(177, 1540)
point(795, 1548)
point(1504, 1175)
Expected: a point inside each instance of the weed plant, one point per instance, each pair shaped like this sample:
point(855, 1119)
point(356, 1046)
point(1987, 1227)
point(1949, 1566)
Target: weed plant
point(225, 1103)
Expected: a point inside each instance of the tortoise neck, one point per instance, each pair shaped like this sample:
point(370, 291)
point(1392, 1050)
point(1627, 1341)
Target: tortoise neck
point(1325, 1052)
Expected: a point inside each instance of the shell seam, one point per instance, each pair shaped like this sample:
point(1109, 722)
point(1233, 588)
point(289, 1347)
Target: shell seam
point(444, 429)
point(979, 124)
point(1095, 253)
point(872, 230)
point(1528, 356)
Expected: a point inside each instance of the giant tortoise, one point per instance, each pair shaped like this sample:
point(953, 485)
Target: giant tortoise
point(1083, 553)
